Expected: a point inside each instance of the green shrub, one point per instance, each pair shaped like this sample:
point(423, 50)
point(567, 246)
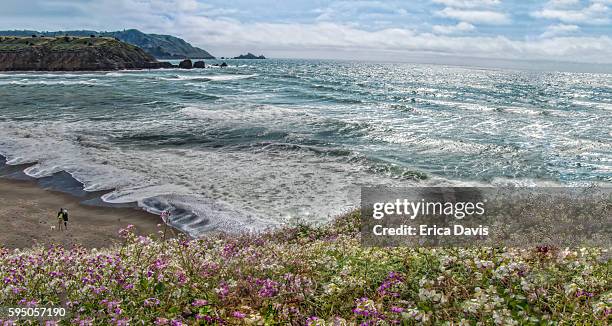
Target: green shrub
point(304, 274)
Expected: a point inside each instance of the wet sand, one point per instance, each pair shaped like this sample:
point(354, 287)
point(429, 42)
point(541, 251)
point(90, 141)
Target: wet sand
point(28, 214)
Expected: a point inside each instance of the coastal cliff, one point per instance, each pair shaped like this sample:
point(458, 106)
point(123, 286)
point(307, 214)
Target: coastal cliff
point(69, 53)
point(157, 45)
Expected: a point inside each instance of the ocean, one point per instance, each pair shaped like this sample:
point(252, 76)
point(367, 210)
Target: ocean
point(266, 142)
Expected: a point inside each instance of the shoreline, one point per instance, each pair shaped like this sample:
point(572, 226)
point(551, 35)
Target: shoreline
point(28, 215)
point(182, 219)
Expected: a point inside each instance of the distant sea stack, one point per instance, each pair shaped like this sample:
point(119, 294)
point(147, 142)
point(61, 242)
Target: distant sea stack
point(69, 53)
point(249, 56)
point(160, 46)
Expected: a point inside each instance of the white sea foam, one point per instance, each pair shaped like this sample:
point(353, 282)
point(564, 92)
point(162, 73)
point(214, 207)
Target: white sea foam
point(245, 113)
point(462, 105)
point(29, 82)
point(229, 77)
point(244, 157)
point(593, 104)
point(207, 77)
point(56, 75)
point(277, 187)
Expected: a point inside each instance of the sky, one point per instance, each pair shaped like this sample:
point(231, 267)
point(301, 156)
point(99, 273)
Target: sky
point(575, 31)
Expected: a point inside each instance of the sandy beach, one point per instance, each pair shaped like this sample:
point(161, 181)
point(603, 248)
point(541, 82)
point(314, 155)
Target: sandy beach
point(29, 212)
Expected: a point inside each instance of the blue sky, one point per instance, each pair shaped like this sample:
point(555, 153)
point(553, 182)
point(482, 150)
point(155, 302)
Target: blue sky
point(557, 30)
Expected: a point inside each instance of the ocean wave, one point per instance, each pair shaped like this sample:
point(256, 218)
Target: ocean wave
point(182, 77)
point(597, 105)
point(206, 77)
point(243, 113)
point(262, 120)
point(461, 105)
point(28, 82)
point(317, 150)
point(190, 214)
point(69, 75)
point(280, 150)
point(230, 77)
point(196, 215)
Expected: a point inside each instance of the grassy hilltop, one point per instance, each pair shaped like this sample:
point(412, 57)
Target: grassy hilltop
point(309, 276)
point(17, 43)
point(69, 53)
point(159, 46)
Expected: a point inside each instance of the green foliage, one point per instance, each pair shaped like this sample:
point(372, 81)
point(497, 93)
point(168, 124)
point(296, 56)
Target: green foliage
point(57, 43)
point(314, 275)
point(159, 46)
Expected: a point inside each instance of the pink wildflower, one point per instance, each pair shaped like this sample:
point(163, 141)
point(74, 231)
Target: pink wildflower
point(238, 314)
point(199, 303)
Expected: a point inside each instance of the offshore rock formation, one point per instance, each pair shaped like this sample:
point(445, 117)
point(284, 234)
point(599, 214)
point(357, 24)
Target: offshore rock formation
point(68, 53)
point(249, 56)
point(185, 64)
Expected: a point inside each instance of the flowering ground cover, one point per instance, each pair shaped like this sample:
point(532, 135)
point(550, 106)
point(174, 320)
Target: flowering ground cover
point(303, 275)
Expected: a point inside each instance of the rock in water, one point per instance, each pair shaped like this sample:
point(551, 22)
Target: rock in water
point(185, 64)
point(224, 64)
point(249, 56)
point(72, 53)
point(164, 64)
point(160, 65)
point(199, 64)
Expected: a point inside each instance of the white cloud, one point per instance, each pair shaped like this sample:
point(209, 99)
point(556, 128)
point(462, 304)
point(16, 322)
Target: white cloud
point(347, 10)
point(468, 3)
point(562, 3)
point(596, 13)
point(559, 29)
point(475, 16)
point(321, 37)
point(225, 36)
point(450, 29)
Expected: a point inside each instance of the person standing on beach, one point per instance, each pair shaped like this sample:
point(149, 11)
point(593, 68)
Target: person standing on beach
point(65, 218)
point(164, 216)
point(60, 217)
